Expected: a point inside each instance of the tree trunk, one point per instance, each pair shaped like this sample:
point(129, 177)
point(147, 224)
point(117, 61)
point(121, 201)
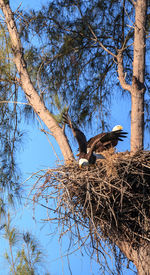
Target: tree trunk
point(139, 256)
point(30, 92)
point(137, 117)
point(138, 89)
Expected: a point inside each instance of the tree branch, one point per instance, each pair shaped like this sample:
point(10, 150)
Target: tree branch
point(119, 58)
point(101, 45)
point(133, 2)
point(121, 74)
point(29, 90)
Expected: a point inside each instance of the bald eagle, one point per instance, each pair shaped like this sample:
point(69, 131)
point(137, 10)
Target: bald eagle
point(96, 144)
point(85, 158)
point(107, 140)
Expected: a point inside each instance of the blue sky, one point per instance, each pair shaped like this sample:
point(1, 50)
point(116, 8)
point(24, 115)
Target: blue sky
point(36, 154)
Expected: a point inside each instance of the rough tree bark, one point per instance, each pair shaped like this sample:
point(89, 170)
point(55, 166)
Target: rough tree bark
point(139, 256)
point(137, 89)
point(30, 92)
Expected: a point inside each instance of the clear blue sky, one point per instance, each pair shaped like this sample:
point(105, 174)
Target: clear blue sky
point(35, 154)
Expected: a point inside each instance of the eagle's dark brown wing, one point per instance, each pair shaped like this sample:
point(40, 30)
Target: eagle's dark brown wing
point(91, 140)
point(113, 135)
point(79, 135)
point(106, 140)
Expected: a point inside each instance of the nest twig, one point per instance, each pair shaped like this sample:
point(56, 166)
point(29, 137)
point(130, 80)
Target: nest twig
point(111, 199)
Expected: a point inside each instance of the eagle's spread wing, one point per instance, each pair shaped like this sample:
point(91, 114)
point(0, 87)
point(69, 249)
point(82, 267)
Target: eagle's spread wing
point(79, 135)
point(106, 140)
point(114, 135)
point(91, 140)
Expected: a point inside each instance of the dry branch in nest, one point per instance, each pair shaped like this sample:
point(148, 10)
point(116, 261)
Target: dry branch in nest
point(111, 198)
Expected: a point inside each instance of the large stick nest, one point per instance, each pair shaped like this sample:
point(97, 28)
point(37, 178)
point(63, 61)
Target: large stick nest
point(113, 196)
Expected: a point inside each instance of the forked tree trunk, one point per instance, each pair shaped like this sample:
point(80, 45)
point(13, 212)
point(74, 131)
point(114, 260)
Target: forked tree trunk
point(30, 92)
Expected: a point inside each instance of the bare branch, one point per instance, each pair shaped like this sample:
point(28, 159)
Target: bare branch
point(119, 58)
point(101, 45)
point(121, 74)
point(133, 2)
point(13, 102)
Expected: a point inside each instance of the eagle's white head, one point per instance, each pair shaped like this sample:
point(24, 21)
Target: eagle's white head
point(117, 127)
point(83, 162)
